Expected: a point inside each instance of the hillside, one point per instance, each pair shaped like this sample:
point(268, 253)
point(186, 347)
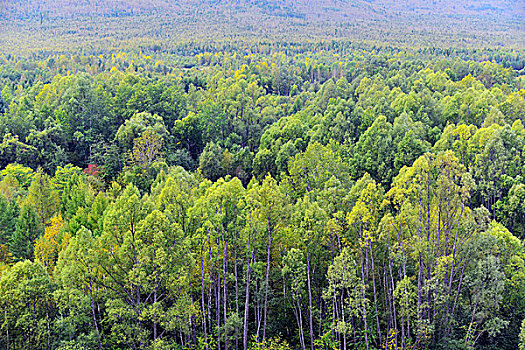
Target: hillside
point(305, 9)
point(66, 24)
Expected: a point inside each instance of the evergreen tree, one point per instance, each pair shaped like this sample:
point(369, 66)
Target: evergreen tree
point(27, 229)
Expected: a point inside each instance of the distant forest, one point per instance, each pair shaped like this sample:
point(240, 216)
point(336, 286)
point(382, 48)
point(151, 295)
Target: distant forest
point(95, 26)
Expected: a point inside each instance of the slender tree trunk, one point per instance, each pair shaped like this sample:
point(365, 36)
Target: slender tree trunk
point(267, 278)
point(247, 297)
point(155, 302)
point(363, 299)
point(192, 319)
point(343, 318)
point(375, 293)
point(7, 329)
point(236, 284)
point(217, 291)
point(92, 313)
point(202, 294)
point(301, 328)
point(394, 304)
point(309, 292)
point(225, 289)
point(400, 242)
point(258, 308)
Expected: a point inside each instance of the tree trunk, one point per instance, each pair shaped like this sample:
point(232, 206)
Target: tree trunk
point(225, 289)
point(92, 313)
point(309, 292)
point(202, 294)
point(267, 279)
point(236, 284)
point(247, 298)
point(363, 298)
point(375, 293)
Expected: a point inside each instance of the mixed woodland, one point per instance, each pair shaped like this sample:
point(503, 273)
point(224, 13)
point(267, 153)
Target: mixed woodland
point(260, 194)
point(311, 199)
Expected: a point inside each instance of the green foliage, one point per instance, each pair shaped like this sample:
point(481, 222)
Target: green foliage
point(27, 229)
point(22, 174)
point(271, 344)
point(26, 299)
point(211, 162)
point(42, 197)
point(8, 215)
point(262, 195)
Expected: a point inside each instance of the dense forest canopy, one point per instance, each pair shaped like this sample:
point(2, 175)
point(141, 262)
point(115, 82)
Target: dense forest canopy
point(317, 190)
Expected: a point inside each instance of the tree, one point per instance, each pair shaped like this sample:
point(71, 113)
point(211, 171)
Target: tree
point(48, 247)
point(80, 298)
point(134, 127)
point(42, 196)
point(429, 200)
point(343, 292)
point(75, 194)
point(374, 152)
point(22, 173)
point(210, 162)
point(144, 161)
point(500, 149)
point(26, 303)
point(364, 218)
point(189, 133)
point(27, 229)
point(163, 270)
point(294, 273)
point(408, 150)
point(511, 210)
point(146, 269)
point(146, 149)
point(264, 163)
point(310, 170)
point(486, 277)
point(14, 151)
point(8, 215)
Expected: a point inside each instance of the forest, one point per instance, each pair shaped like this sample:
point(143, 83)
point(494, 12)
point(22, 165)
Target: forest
point(262, 175)
point(93, 27)
point(292, 197)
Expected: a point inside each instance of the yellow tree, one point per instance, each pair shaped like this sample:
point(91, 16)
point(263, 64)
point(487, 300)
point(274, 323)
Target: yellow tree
point(48, 246)
point(146, 149)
